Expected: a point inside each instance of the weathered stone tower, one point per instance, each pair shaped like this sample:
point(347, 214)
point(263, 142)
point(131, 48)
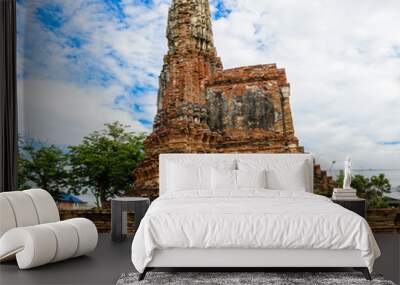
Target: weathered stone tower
point(203, 108)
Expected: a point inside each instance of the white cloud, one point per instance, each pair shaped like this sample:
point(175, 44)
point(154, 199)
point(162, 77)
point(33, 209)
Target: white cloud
point(64, 113)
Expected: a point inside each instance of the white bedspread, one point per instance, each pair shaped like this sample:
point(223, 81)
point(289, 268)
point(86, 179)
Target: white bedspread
point(250, 219)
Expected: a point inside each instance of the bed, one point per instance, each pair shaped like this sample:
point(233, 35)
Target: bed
point(247, 211)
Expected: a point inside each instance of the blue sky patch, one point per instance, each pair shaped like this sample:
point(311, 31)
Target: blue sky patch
point(119, 100)
point(51, 16)
point(221, 10)
point(396, 51)
point(75, 42)
point(136, 108)
point(140, 89)
point(390, 143)
point(146, 3)
point(116, 7)
point(145, 122)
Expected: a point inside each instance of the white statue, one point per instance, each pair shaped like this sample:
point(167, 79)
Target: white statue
point(347, 173)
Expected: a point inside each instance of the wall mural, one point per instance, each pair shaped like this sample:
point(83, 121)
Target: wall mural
point(95, 73)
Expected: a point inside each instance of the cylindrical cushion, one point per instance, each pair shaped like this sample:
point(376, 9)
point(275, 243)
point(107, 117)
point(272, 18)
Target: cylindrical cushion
point(46, 208)
point(41, 244)
point(23, 208)
point(7, 218)
point(67, 240)
point(33, 246)
point(87, 235)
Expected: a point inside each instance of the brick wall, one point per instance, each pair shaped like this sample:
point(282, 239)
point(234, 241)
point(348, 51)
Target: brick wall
point(380, 220)
point(384, 220)
point(101, 218)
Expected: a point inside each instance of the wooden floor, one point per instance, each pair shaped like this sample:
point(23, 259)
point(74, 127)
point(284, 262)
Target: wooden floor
point(110, 260)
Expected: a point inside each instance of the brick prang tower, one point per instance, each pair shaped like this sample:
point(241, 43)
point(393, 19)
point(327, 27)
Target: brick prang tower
point(203, 108)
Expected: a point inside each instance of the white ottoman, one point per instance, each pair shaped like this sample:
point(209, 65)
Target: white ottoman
point(33, 243)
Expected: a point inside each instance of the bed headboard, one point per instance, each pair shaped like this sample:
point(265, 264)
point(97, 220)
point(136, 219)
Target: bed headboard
point(211, 158)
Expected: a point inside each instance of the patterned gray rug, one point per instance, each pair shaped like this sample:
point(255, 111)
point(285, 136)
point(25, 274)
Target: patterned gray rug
point(268, 278)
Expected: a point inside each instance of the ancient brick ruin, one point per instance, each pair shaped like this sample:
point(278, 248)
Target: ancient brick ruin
point(203, 108)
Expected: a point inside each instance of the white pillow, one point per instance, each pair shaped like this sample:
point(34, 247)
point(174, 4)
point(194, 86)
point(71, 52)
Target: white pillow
point(281, 174)
point(223, 179)
point(291, 178)
point(251, 179)
point(183, 177)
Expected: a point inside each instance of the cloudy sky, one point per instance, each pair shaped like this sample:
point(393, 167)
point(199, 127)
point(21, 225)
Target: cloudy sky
point(83, 63)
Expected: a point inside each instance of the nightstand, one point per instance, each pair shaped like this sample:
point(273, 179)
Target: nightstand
point(357, 205)
point(119, 209)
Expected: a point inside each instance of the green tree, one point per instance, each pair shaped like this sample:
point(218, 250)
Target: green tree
point(361, 183)
point(42, 166)
point(371, 189)
point(104, 161)
point(376, 201)
point(22, 179)
point(380, 183)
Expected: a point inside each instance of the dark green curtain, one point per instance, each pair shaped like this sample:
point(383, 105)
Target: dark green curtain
point(8, 97)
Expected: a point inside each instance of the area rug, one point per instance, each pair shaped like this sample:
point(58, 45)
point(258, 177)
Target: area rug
point(268, 278)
